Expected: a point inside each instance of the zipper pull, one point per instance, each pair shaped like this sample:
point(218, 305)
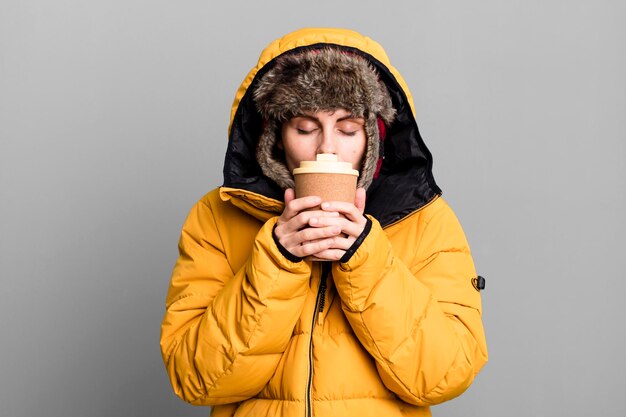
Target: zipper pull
point(322, 292)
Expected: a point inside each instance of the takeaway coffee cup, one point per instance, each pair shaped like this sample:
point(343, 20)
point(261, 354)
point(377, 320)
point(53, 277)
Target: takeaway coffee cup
point(327, 178)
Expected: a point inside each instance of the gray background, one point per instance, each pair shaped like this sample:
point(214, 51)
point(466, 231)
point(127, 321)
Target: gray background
point(113, 118)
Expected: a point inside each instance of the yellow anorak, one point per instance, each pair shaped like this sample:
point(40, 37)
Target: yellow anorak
point(392, 331)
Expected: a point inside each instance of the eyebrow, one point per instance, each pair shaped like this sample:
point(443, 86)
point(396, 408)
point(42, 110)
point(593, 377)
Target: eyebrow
point(341, 119)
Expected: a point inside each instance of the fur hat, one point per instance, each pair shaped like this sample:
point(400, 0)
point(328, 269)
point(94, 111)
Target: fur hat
point(316, 80)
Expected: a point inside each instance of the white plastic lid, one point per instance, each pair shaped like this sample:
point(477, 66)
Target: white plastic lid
point(325, 163)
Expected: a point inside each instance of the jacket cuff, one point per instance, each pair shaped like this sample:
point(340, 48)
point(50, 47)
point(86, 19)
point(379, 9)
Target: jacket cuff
point(283, 251)
point(355, 279)
point(357, 243)
point(372, 244)
point(265, 247)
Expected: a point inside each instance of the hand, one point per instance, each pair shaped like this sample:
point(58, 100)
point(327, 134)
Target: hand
point(349, 219)
point(293, 229)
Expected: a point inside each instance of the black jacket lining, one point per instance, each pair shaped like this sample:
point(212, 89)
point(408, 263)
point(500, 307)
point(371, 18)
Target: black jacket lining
point(405, 183)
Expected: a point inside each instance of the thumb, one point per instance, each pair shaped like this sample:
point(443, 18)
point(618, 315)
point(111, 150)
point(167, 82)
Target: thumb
point(359, 200)
point(289, 195)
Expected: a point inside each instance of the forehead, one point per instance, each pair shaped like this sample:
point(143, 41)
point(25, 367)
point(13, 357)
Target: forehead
point(336, 114)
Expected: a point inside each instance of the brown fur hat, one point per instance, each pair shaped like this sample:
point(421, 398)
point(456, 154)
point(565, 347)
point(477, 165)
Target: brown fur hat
point(315, 80)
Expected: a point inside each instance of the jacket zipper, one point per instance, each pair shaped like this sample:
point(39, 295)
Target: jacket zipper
point(319, 307)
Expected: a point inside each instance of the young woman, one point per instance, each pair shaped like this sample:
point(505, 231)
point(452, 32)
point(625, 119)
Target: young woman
point(390, 322)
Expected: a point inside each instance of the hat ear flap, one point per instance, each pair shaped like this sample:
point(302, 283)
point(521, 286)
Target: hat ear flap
point(368, 167)
point(382, 134)
point(271, 156)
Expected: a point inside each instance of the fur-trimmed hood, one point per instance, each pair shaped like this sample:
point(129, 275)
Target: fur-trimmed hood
point(377, 91)
point(322, 79)
point(314, 80)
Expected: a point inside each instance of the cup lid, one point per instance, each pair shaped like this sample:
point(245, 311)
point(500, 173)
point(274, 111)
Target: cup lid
point(325, 163)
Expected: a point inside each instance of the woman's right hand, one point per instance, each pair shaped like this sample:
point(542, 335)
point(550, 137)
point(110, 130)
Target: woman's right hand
point(293, 229)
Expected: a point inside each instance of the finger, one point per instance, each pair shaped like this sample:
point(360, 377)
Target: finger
point(311, 234)
point(290, 194)
point(296, 205)
point(343, 243)
point(303, 219)
point(338, 248)
point(330, 254)
point(347, 209)
point(348, 227)
point(309, 248)
point(286, 231)
point(288, 198)
point(359, 200)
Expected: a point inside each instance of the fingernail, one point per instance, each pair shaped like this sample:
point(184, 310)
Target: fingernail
point(313, 220)
point(325, 205)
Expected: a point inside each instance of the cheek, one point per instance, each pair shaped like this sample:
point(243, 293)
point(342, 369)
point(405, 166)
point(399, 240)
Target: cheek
point(358, 151)
point(286, 145)
point(289, 156)
point(296, 151)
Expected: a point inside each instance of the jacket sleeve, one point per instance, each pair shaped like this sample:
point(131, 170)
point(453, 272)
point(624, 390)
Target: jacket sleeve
point(224, 331)
point(420, 320)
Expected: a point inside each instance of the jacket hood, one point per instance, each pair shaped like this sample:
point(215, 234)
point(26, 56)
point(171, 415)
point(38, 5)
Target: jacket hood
point(405, 182)
point(323, 79)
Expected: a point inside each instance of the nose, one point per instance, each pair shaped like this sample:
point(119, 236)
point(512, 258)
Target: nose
point(327, 142)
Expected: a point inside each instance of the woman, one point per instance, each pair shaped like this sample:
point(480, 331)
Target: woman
point(390, 322)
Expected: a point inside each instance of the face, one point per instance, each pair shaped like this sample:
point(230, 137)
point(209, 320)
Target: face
point(336, 132)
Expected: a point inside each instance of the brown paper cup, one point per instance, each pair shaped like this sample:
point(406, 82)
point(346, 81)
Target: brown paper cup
point(330, 187)
point(328, 179)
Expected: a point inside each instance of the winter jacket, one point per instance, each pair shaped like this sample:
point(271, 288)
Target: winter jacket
point(392, 331)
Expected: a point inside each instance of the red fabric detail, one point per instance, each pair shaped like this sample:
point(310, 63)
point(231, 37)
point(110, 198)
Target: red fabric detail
point(379, 165)
point(382, 134)
point(382, 130)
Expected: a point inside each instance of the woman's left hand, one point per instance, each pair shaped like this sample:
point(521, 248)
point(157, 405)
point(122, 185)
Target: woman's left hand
point(352, 223)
